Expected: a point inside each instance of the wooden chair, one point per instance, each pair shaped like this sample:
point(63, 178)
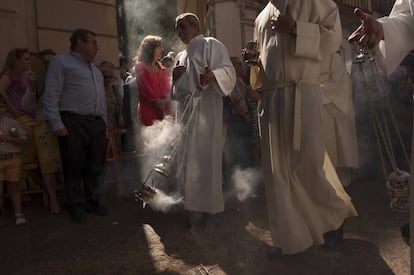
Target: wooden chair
point(31, 176)
point(113, 155)
point(112, 151)
point(118, 159)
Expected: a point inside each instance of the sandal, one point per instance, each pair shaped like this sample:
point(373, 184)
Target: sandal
point(20, 220)
point(55, 209)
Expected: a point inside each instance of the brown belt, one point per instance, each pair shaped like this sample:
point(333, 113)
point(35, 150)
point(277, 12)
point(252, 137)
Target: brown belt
point(74, 115)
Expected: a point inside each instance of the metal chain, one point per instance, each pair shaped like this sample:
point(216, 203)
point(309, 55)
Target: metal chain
point(398, 132)
point(378, 129)
point(384, 170)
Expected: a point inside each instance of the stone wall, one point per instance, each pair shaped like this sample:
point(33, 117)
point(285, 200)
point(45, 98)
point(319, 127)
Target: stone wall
point(40, 24)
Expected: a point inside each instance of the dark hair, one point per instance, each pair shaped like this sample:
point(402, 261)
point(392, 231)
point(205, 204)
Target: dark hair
point(106, 65)
point(79, 34)
point(166, 59)
point(46, 52)
point(123, 60)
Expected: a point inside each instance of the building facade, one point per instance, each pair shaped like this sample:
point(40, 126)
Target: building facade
point(41, 24)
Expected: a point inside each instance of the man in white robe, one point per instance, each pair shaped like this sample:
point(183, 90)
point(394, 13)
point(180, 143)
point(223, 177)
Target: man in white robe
point(394, 36)
point(304, 200)
point(338, 117)
point(205, 66)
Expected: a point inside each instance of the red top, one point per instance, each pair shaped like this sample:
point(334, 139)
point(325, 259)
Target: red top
point(152, 86)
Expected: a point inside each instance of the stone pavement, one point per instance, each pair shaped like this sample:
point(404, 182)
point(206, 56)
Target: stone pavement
point(133, 240)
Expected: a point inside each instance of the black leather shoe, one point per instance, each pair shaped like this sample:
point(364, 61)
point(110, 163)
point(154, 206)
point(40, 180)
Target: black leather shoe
point(274, 253)
point(405, 233)
point(333, 237)
point(196, 219)
point(94, 207)
point(78, 214)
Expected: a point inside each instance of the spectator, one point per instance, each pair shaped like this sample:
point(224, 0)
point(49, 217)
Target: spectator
point(75, 105)
point(46, 55)
point(12, 136)
point(168, 64)
point(15, 79)
point(47, 146)
point(152, 81)
point(113, 98)
point(238, 150)
point(124, 68)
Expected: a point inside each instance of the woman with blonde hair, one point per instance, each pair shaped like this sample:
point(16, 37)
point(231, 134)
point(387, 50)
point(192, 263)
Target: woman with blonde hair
point(152, 81)
point(15, 79)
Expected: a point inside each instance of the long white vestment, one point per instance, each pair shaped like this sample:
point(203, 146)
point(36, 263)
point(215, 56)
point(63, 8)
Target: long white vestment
point(304, 200)
point(200, 164)
point(398, 34)
point(338, 113)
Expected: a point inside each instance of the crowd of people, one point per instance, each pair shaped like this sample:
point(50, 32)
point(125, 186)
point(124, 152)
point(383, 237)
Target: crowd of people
point(297, 124)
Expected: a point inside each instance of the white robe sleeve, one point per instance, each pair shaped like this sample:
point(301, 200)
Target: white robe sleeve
point(221, 67)
point(321, 36)
point(398, 34)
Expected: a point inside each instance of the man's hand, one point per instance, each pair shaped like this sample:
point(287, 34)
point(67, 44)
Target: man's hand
point(207, 77)
point(369, 33)
point(178, 71)
point(61, 132)
point(284, 23)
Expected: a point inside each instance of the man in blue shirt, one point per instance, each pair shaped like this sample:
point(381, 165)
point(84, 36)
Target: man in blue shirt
point(74, 104)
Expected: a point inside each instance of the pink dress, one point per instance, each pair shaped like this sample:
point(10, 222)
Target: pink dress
point(152, 86)
point(16, 91)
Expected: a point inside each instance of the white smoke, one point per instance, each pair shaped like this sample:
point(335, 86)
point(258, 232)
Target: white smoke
point(145, 17)
point(158, 135)
point(163, 202)
point(156, 139)
point(245, 182)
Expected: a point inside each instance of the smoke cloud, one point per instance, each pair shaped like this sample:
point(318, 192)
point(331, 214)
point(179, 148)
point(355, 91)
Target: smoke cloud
point(245, 182)
point(143, 17)
point(157, 138)
point(163, 202)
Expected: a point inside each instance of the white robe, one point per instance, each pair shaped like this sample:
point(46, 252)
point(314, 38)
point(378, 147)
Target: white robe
point(304, 200)
point(338, 113)
point(200, 164)
point(398, 34)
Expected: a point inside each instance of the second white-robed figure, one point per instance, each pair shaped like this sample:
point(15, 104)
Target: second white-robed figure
point(305, 201)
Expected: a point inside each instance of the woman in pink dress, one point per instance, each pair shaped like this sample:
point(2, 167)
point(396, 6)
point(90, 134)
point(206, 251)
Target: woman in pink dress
point(152, 81)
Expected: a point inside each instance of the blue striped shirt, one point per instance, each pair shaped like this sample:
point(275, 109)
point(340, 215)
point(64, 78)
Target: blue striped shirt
point(73, 86)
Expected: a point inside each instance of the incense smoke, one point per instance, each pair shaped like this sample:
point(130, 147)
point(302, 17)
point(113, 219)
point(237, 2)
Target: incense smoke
point(157, 138)
point(245, 182)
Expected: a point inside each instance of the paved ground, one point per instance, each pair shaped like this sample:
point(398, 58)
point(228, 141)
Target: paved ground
point(133, 240)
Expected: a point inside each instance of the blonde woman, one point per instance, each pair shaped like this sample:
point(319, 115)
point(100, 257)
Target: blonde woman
point(15, 79)
point(152, 81)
